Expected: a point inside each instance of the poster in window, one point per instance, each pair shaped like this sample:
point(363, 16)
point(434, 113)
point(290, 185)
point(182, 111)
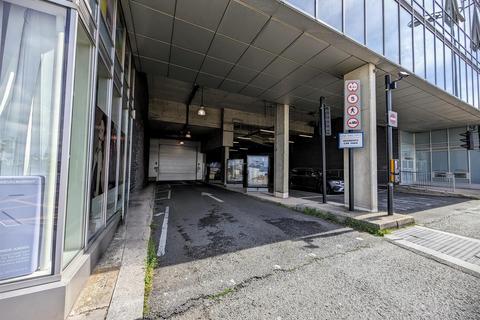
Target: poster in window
point(112, 169)
point(98, 163)
point(235, 171)
point(257, 171)
point(21, 201)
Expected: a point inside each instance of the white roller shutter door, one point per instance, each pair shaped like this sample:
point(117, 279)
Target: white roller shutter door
point(177, 163)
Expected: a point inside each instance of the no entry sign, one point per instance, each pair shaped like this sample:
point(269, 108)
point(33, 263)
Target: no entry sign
point(353, 108)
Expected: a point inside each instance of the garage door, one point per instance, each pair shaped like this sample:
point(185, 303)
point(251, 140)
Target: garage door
point(177, 163)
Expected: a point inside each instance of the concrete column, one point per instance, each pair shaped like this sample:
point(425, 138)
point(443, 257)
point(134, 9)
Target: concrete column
point(225, 157)
point(365, 159)
point(280, 180)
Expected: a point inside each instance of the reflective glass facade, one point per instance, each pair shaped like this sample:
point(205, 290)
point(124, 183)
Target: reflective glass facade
point(418, 35)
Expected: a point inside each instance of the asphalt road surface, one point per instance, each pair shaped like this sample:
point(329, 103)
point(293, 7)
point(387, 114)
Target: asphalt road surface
point(229, 256)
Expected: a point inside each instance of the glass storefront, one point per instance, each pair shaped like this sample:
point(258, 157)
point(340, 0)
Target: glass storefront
point(31, 80)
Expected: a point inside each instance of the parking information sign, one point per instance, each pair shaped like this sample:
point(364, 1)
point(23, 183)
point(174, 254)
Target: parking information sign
point(328, 122)
point(350, 140)
point(353, 108)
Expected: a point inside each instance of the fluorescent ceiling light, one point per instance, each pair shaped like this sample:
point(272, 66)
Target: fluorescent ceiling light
point(243, 148)
point(235, 142)
point(291, 141)
point(244, 138)
point(305, 136)
point(267, 131)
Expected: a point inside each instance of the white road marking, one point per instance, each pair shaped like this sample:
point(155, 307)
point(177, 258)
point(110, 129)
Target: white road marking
point(158, 214)
point(163, 237)
point(211, 196)
point(169, 194)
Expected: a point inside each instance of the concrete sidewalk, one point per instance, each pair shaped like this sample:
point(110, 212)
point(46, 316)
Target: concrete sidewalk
point(115, 290)
point(334, 211)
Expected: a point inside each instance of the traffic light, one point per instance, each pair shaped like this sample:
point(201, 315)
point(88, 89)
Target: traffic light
point(468, 140)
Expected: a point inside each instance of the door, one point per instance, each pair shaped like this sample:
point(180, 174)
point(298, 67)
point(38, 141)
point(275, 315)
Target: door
point(177, 162)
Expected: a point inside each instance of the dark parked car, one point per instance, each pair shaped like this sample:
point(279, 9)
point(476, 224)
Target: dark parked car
point(311, 179)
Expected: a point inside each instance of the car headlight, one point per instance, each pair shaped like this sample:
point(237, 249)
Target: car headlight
point(336, 182)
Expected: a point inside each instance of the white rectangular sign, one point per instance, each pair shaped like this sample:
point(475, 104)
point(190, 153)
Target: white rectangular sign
point(328, 122)
point(353, 108)
point(350, 140)
point(392, 119)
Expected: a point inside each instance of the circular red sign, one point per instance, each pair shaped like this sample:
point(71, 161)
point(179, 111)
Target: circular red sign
point(352, 123)
point(352, 98)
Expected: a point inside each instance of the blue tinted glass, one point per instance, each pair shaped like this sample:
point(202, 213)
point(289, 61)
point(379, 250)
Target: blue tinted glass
point(375, 25)
point(440, 63)
point(305, 5)
point(406, 50)
point(330, 12)
point(430, 56)
point(391, 29)
point(419, 52)
point(354, 19)
point(448, 70)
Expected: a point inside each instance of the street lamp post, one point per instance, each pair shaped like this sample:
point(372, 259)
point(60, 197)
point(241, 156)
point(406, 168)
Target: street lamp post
point(389, 86)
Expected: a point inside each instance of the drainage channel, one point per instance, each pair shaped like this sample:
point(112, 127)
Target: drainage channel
point(448, 248)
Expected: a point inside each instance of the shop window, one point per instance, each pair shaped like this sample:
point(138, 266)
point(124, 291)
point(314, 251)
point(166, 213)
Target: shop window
point(31, 77)
point(77, 175)
point(439, 139)
point(106, 8)
point(123, 153)
point(375, 25)
point(330, 12)
point(114, 154)
point(120, 37)
point(96, 220)
point(475, 174)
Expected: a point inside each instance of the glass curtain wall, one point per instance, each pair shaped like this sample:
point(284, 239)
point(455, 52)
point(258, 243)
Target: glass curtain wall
point(31, 87)
point(419, 35)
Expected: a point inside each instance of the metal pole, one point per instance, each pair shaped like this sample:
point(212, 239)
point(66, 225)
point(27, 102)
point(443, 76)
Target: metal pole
point(388, 96)
point(324, 156)
point(351, 182)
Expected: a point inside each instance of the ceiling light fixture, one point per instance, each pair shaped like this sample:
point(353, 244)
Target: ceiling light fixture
point(243, 148)
point(188, 135)
point(305, 136)
point(244, 138)
point(267, 131)
point(235, 142)
point(202, 112)
point(181, 143)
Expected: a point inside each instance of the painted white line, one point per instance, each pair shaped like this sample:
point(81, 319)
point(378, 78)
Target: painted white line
point(163, 237)
point(169, 194)
point(158, 214)
point(211, 196)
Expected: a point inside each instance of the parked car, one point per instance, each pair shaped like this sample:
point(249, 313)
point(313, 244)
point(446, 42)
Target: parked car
point(311, 179)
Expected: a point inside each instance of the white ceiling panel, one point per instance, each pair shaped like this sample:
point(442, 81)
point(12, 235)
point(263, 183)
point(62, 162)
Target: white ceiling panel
point(205, 13)
point(250, 20)
point(216, 67)
point(242, 74)
point(280, 67)
point(255, 58)
point(149, 18)
point(208, 80)
point(154, 67)
point(181, 73)
point(192, 37)
point(166, 6)
point(304, 48)
point(153, 48)
point(328, 58)
point(348, 65)
point(251, 91)
point(186, 58)
point(264, 81)
point(322, 80)
point(232, 86)
point(226, 48)
point(276, 36)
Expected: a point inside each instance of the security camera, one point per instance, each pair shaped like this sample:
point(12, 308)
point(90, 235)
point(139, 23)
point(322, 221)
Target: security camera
point(403, 74)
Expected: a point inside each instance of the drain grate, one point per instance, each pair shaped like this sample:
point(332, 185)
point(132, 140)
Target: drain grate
point(453, 248)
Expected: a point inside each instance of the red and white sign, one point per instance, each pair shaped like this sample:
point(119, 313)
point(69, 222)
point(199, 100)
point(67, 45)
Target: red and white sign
point(392, 119)
point(353, 108)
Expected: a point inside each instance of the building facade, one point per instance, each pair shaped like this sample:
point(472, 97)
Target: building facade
point(75, 74)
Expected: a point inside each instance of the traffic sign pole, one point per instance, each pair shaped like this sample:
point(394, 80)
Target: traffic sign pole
point(324, 156)
point(388, 96)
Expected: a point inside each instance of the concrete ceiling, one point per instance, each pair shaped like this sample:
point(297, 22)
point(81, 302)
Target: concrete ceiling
point(250, 51)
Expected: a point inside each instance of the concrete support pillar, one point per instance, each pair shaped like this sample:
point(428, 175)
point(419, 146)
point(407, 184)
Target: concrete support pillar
point(225, 157)
point(365, 159)
point(281, 155)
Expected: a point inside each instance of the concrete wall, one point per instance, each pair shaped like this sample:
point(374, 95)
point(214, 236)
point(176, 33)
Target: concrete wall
point(140, 140)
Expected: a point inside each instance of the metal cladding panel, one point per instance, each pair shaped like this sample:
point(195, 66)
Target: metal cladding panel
point(167, 6)
point(276, 36)
point(226, 48)
point(205, 13)
point(255, 58)
point(186, 58)
point(191, 37)
point(216, 67)
point(162, 22)
point(177, 163)
point(151, 48)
